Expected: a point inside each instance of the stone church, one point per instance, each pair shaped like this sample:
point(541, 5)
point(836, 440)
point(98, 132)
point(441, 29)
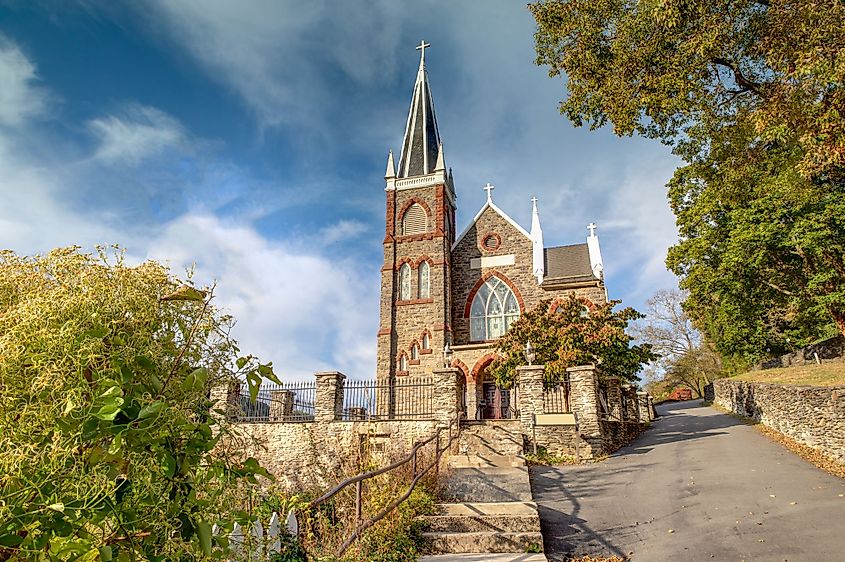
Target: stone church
point(458, 291)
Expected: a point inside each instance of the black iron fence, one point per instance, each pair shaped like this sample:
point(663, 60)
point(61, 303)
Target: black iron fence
point(406, 398)
point(288, 402)
point(556, 398)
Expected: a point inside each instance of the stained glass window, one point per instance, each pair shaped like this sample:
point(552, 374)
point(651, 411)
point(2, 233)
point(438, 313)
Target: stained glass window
point(405, 282)
point(494, 308)
point(423, 278)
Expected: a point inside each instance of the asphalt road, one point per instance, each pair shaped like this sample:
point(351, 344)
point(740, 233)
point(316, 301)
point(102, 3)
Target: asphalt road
point(698, 485)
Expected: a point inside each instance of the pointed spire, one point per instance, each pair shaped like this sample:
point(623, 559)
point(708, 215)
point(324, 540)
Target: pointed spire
point(596, 263)
point(421, 142)
point(441, 164)
point(390, 173)
point(539, 252)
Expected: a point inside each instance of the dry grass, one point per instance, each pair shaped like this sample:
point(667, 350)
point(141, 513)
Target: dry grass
point(826, 374)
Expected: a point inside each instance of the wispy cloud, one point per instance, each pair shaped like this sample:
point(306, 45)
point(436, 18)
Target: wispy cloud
point(21, 97)
point(137, 133)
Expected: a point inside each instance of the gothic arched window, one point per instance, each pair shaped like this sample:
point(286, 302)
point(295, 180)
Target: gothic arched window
point(494, 308)
point(405, 282)
point(403, 363)
point(426, 341)
point(423, 279)
point(415, 220)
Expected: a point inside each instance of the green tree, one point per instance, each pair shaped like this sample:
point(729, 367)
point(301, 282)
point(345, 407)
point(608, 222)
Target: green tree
point(567, 337)
point(107, 434)
point(750, 94)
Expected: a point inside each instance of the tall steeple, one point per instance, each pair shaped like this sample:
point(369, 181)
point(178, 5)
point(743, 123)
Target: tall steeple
point(421, 143)
point(538, 253)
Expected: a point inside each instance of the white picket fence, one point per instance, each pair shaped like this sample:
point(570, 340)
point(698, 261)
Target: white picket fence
point(259, 543)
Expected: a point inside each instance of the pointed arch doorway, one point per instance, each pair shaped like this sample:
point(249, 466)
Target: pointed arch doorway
point(493, 402)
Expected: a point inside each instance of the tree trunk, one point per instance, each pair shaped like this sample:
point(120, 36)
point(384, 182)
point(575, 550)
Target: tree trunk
point(839, 318)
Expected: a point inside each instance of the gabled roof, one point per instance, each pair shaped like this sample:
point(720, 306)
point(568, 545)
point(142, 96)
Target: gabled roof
point(490, 205)
point(422, 137)
point(568, 262)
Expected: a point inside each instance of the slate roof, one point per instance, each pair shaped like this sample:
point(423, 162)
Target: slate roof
point(422, 138)
point(568, 262)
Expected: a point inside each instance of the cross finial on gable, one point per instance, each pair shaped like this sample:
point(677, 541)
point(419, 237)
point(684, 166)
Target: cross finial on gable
point(489, 189)
point(534, 201)
point(592, 228)
point(421, 48)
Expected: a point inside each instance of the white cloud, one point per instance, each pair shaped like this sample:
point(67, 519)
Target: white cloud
point(20, 96)
point(305, 311)
point(137, 133)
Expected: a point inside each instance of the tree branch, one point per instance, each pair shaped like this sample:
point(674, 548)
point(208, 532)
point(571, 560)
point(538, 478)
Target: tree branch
point(746, 84)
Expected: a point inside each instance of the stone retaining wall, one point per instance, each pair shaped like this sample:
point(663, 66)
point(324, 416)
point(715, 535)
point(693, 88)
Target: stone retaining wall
point(826, 351)
point(812, 415)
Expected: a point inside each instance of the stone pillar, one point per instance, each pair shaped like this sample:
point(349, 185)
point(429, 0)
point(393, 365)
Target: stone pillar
point(630, 403)
point(472, 400)
point(530, 394)
point(652, 412)
point(642, 407)
point(614, 398)
point(445, 394)
point(584, 399)
point(328, 403)
point(281, 405)
point(226, 397)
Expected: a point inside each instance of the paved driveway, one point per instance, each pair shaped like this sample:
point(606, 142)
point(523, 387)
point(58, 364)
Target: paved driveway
point(698, 485)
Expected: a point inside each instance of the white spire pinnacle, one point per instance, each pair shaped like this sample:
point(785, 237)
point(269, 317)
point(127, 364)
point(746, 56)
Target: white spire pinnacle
point(537, 243)
point(422, 137)
point(596, 263)
point(441, 164)
point(421, 48)
point(391, 168)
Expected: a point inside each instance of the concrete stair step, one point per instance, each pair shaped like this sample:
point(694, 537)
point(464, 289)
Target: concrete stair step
point(485, 460)
point(486, 557)
point(488, 485)
point(458, 543)
point(478, 517)
point(500, 437)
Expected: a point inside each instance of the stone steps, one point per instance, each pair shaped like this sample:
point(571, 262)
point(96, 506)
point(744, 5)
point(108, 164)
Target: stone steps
point(511, 517)
point(485, 460)
point(488, 484)
point(497, 437)
point(495, 541)
point(485, 557)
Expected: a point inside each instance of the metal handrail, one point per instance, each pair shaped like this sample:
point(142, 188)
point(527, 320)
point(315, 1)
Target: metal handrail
point(361, 526)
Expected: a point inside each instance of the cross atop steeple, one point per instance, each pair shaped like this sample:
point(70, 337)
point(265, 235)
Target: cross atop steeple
point(489, 189)
point(592, 228)
point(421, 48)
point(534, 201)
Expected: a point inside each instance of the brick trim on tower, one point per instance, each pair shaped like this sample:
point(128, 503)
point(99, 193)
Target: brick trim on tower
point(591, 306)
point(460, 365)
point(504, 278)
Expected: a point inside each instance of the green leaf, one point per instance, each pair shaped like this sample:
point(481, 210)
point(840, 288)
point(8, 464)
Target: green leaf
point(253, 380)
point(60, 507)
point(145, 362)
point(96, 333)
point(115, 445)
point(150, 410)
point(105, 553)
point(204, 536)
point(109, 410)
point(11, 540)
point(185, 293)
point(241, 362)
point(168, 463)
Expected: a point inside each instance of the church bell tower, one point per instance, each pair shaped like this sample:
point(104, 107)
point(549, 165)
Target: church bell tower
point(419, 232)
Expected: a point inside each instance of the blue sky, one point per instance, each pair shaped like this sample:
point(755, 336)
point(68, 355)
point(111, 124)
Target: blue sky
point(250, 138)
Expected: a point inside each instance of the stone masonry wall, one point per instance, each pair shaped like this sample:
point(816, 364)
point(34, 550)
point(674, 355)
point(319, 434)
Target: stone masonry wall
point(812, 415)
point(520, 274)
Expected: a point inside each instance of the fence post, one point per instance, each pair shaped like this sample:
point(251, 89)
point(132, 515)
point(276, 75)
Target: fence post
point(614, 398)
point(529, 397)
point(358, 502)
point(445, 394)
point(437, 453)
point(328, 402)
point(642, 405)
point(585, 401)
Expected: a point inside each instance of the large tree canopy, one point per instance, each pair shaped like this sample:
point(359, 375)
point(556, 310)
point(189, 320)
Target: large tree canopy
point(105, 425)
point(567, 336)
point(750, 94)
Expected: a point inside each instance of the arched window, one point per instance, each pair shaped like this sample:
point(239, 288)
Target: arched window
point(415, 352)
point(494, 309)
point(426, 341)
point(405, 282)
point(414, 221)
point(403, 362)
point(423, 278)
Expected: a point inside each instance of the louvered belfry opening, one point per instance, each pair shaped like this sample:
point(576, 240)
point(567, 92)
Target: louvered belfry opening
point(415, 221)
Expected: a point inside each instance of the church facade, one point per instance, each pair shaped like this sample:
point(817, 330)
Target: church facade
point(459, 291)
